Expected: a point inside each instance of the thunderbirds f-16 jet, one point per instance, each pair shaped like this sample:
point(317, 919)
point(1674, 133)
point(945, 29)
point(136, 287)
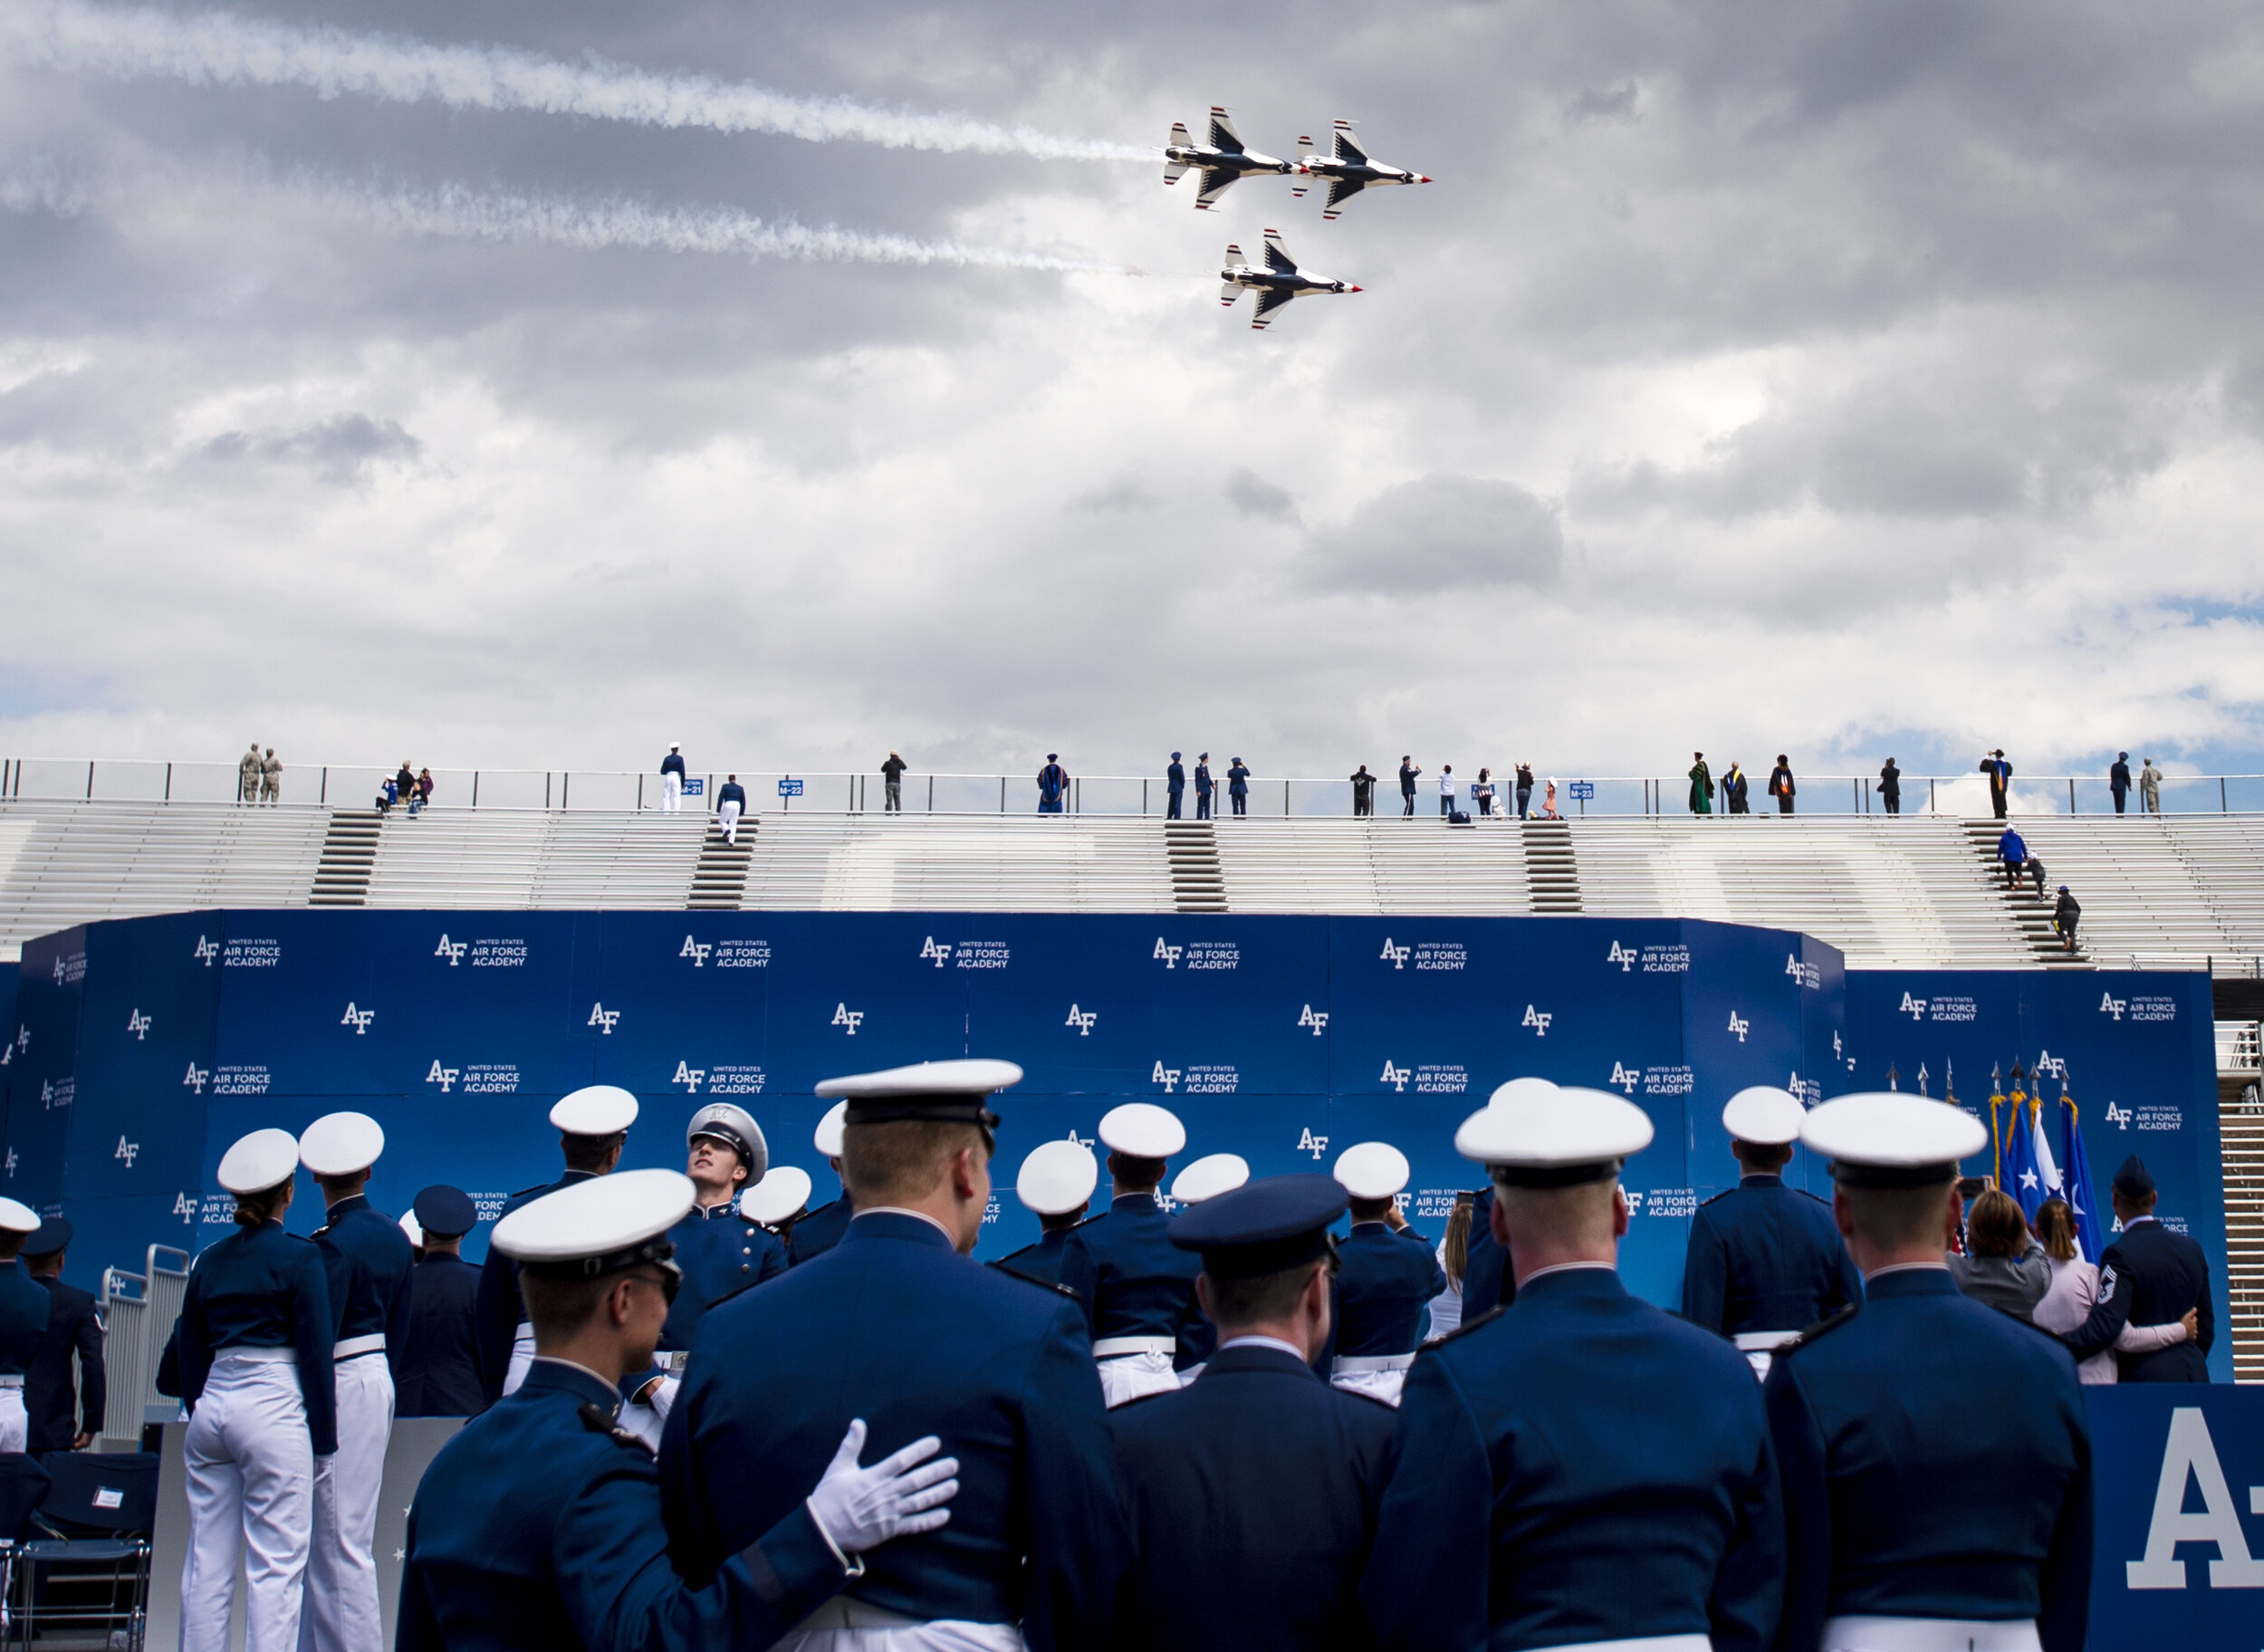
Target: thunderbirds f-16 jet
point(1348, 171)
point(1275, 284)
point(1221, 162)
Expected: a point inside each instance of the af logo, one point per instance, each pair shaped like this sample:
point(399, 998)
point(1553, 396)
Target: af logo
point(445, 1077)
point(689, 1077)
point(185, 1207)
point(1082, 1020)
point(1397, 956)
point(696, 951)
point(138, 1025)
point(2119, 1117)
point(11, 1161)
point(1740, 1025)
point(59, 972)
point(1315, 1019)
point(2051, 1066)
point(1626, 1078)
point(1082, 1141)
point(929, 949)
point(2189, 1459)
point(1538, 1020)
point(1396, 1076)
point(1312, 1144)
point(2110, 1004)
point(1169, 1077)
point(453, 951)
point(603, 1019)
point(1916, 1008)
point(1170, 955)
point(1624, 956)
point(358, 1020)
point(128, 1150)
point(199, 1077)
point(207, 951)
point(1792, 965)
point(844, 1016)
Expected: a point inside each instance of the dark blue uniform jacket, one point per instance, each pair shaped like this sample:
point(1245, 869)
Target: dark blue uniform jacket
point(820, 1231)
point(1555, 1483)
point(895, 1326)
point(1041, 1262)
point(499, 1311)
point(540, 1526)
point(722, 1254)
point(25, 1308)
point(732, 791)
point(1252, 1495)
point(1175, 778)
point(368, 1259)
point(439, 1370)
point(1936, 1463)
point(1487, 1280)
point(1384, 1284)
point(2151, 1276)
point(261, 1287)
point(673, 763)
point(75, 1326)
point(1133, 1282)
point(1764, 1256)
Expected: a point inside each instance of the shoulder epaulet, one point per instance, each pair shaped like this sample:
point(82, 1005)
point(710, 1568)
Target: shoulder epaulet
point(1819, 1197)
point(1466, 1327)
point(1043, 1285)
point(1823, 1327)
point(1724, 1194)
point(594, 1419)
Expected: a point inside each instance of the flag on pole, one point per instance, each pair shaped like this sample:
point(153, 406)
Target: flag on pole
point(2074, 1170)
point(1996, 1124)
point(2024, 1174)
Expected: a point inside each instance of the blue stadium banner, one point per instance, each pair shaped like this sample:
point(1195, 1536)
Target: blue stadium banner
point(2178, 1559)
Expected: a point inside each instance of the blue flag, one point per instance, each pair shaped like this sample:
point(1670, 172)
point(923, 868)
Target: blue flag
point(2075, 1175)
point(2023, 1174)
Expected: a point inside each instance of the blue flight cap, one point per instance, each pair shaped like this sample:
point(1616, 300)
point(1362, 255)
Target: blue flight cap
point(2132, 1181)
point(52, 1236)
point(446, 1211)
point(1263, 1226)
point(1175, 756)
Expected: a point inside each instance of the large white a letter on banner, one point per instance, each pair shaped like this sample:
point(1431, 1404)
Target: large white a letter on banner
point(2189, 1448)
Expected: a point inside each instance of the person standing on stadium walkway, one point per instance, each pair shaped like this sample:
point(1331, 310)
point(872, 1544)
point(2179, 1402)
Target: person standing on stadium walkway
point(892, 784)
point(271, 778)
point(248, 769)
point(1204, 786)
point(2118, 779)
point(1524, 789)
point(1700, 785)
point(1781, 786)
point(1362, 792)
point(1174, 787)
point(672, 779)
point(1408, 772)
point(2000, 775)
point(1891, 787)
point(2150, 787)
point(1053, 784)
point(1446, 789)
point(1238, 785)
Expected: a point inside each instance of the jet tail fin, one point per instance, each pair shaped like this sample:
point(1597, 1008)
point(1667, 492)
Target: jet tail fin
point(1174, 170)
point(1228, 292)
point(1179, 138)
point(1347, 146)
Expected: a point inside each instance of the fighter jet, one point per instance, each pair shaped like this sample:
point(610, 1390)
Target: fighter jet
point(1277, 283)
point(1348, 171)
point(1224, 161)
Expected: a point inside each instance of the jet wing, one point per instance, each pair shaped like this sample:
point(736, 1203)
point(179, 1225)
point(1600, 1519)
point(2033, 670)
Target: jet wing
point(1269, 300)
point(1347, 146)
point(1215, 183)
point(1223, 133)
point(1340, 190)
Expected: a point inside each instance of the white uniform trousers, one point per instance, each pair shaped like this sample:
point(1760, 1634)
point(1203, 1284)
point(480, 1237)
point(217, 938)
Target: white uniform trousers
point(845, 1624)
point(727, 817)
point(1929, 1635)
point(251, 1482)
point(16, 1427)
point(671, 792)
point(1376, 1376)
point(341, 1612)
point(1133, 1368)
point(522, 1356)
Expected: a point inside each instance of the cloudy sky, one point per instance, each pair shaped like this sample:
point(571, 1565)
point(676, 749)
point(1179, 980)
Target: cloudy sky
point(1831, 377)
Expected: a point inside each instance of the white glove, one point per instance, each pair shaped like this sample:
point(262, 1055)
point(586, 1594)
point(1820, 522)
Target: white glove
point(861, 1508)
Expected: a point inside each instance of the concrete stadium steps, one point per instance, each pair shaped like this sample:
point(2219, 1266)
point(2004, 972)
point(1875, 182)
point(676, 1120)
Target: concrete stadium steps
point(2141, 901)
point(2240, 1122)
point(507, 858)
point(945, 862)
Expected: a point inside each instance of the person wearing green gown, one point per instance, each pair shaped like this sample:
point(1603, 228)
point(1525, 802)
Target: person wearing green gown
point(1701, 786)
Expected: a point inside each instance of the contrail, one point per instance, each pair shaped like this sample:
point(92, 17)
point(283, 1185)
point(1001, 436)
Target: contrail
point(221, 48)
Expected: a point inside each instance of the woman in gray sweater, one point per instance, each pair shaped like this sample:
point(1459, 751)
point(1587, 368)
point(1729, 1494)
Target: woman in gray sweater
point(2005, 1265)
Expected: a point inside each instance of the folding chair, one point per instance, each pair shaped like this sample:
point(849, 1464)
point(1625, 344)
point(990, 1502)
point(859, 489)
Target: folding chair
point(89, 1578)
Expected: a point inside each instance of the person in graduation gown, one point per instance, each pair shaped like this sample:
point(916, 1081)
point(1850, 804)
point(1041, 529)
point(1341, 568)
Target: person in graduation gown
point(1925, 1508)
point(2149, 1276)
point(1137, 1289)
point(1764, 1261)
point(721, 1250)
point(63, 1416)
point(1386, 1276)
point(25, 1309)
point(1252, 1493)
point(439, 1370)
point(897, 1325)
point(539, 1523)
point(820, 1231)
point(1056, 1182)
point(592, 1125)
point(1579, 1467)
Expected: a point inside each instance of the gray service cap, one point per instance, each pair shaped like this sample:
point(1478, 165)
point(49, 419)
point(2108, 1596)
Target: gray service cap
point(737, 1128)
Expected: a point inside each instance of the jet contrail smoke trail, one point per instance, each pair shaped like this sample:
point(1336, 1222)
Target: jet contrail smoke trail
point(224, 48)
point(453, 210)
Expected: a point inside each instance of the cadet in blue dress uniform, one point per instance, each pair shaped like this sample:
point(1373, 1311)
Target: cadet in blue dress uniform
point(897, 1325)
point(25, 1309)
point(821, 1229)
point(1765, 1259)
point(438, 1373)
point(1137, 1288)
point(1386, 1277)
point(1936, 1454)
point(1174, 787)
point(540, 1524)
point(63, 1416)
point(2149, 1276)
point(256, 1358)
point(1203, 787)
point(592, 1125)
point(367, 1260)
point(1252, 1493)
point(1056, 1182)
point(1578, 1469)
point(721, 1250)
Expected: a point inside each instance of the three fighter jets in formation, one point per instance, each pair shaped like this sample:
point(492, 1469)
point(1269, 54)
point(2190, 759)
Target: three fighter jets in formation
point(1225, 159)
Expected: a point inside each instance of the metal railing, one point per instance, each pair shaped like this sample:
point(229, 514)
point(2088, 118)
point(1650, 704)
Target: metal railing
point(334, 786)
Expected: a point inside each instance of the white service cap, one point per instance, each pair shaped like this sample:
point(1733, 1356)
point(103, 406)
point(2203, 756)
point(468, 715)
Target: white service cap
point(264, 1160)
point(413, 1228)
point(953, 1092)
point(1210, 1175)
point(1888, 1138)
point(339, 1144)
point(1553, 1137)
point(1057, 1176)
point(1141, 1129)
point(18, 1217)
point(595, 1110)
point(607, 1220)
point(828, 1140)
point(778, 1195)
point(1372, 1170)
point(1765, 1116)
